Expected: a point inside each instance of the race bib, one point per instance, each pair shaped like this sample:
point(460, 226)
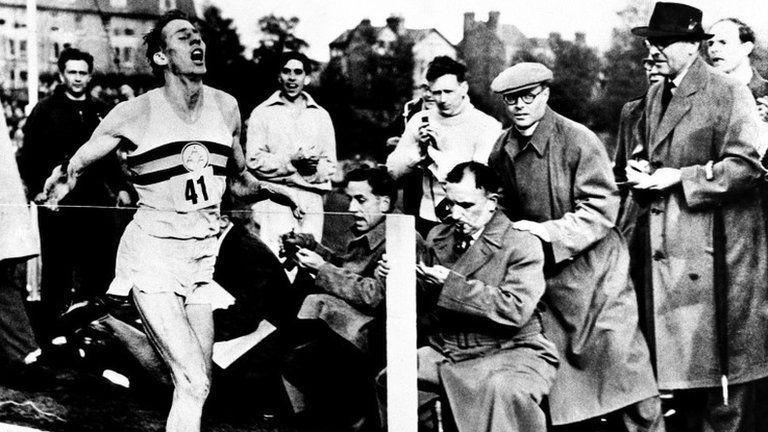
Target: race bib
point(195, 190)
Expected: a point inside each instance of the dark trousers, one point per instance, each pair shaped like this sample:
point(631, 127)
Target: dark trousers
point(703, 409)
point(78, 249)
point(16, 337)
point(643, 416)
point(336, 380)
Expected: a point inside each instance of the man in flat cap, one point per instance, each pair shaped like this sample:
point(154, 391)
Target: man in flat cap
point(708, 254)
point(558, 185)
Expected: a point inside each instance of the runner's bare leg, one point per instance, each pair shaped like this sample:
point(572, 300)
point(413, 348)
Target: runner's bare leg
point(172, 334)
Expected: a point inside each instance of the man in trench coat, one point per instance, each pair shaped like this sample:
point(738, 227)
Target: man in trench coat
point(486, 350)
point(632, 219)
point(558, 185)
point(708, 256)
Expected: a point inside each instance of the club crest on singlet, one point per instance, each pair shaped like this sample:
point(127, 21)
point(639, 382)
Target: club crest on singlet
point(195, 156)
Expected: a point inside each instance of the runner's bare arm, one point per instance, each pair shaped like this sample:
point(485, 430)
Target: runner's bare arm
point(64, 177)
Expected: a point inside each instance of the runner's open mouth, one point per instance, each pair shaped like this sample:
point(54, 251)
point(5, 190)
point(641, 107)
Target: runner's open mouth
point(197, 55)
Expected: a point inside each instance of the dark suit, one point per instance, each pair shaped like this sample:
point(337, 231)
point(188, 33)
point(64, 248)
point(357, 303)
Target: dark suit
point(487, 349)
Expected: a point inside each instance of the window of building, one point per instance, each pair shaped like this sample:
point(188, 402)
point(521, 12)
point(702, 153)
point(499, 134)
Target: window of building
point(129, 31)
point(22, 47)
point(127, 54)
point(166, 5)
point(117, 53)
point(56, 50)
point(23, 76)
point(12, 47)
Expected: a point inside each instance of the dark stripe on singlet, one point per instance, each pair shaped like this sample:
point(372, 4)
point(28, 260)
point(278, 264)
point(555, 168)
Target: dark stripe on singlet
point(175, 148)
point(167, 174)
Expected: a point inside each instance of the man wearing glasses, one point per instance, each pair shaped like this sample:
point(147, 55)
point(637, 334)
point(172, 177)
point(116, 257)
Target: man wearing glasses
point(707, 257)
point(558, 185)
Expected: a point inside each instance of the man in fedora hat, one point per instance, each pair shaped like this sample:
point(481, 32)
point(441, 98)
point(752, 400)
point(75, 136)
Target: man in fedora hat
point(558, 185)
point(708, 251)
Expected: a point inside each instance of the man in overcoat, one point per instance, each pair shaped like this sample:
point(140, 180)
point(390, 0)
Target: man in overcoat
point(708, 259)
point(708, 254)
point(486, 350)
point(558, 185)
point(631, 221)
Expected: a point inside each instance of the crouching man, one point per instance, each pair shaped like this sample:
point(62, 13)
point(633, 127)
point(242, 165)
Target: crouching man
point(486, 352)
point(330, 380)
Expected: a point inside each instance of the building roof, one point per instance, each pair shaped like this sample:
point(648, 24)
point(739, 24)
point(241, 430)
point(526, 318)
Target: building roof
point(511, 35)
point(144, 8)
point(416, 35)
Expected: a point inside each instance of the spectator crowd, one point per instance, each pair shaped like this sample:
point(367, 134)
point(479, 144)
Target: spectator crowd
point(559, 288)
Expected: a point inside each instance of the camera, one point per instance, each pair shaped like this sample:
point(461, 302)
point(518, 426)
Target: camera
point(291, 243)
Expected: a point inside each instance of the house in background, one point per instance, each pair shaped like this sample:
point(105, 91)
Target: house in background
point(427, 43)
point(110, 30)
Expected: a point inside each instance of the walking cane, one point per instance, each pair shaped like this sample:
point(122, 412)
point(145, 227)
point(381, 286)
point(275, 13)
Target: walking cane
point(720, 276)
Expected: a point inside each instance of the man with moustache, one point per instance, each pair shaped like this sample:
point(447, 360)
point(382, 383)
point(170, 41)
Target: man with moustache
point(486, 351)
point(349, 297)
point(291, 141)
point(708, 255)
point(557, 184)
point(436, 140)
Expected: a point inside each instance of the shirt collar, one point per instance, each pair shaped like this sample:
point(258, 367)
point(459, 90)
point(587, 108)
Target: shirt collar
point(536, 146)
point(374, 237)
point(679, 78)
point(275, 99)
point(476, 235)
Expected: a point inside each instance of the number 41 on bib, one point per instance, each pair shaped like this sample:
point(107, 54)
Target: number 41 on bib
point(191, 191)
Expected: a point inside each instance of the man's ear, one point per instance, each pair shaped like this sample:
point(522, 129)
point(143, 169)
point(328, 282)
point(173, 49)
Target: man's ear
point(307, 80)
point(464, 87)
point(160, 59)
point(493, 201)
point(385, 204)
point(748, 47)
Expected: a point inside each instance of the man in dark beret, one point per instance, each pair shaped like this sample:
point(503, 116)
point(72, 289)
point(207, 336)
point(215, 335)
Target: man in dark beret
point(558, 185)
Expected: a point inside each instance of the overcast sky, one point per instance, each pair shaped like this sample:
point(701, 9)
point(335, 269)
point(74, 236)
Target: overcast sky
point(323, 20)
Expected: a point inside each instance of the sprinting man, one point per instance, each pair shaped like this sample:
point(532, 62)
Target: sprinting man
point(182, 144)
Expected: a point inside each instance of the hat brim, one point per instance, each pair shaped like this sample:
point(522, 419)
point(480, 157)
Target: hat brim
point(521, 88)
point(647, 32)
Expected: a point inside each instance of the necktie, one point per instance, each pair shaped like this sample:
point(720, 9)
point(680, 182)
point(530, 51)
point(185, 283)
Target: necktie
point(461, 243)
point(666, 96)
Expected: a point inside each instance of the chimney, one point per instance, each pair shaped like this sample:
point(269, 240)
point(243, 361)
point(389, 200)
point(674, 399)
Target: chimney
point(395, 23)
point(469, 22)
point(493, 20)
